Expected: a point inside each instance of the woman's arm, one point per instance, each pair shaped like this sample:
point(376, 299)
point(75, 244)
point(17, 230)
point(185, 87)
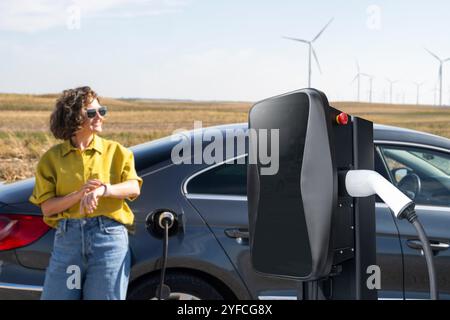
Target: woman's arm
point(126, 189)
point(59, 204)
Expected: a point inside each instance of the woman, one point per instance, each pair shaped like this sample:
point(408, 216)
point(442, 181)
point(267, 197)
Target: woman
point(80, 186)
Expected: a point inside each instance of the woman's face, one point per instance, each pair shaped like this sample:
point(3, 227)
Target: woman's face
point(93, 125)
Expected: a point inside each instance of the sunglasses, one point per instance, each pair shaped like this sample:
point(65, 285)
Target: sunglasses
point(91, 113)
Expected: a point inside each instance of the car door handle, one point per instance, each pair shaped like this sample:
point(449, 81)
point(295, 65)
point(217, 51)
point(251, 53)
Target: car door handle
point(435, 245)
point(237, 233)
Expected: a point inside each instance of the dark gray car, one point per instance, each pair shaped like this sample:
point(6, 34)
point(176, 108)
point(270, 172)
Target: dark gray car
point(210, 259)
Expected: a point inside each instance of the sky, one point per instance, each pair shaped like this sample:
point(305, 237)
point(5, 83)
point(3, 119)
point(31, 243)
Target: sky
point(223, 50)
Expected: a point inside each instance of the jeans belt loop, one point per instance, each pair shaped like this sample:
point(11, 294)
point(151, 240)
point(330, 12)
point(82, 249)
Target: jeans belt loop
point(100, 222)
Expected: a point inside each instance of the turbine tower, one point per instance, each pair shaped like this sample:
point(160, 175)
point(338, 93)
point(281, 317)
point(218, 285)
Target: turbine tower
point(391, 83)
point(441, 64)
point(371, 87)
point(418, 85)
point(311, 50)
point(371, 77)
point(435, 91)
point(358, 78)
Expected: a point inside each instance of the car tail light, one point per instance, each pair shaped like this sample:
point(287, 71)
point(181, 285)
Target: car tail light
point(18, 230)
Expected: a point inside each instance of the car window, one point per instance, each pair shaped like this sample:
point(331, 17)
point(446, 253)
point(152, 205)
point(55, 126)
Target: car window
point(226, 179)
point(380, 166)
point(231, 179)
point(422, 174)
point(438, 160)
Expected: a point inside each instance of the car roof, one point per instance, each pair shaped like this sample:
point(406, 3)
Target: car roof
point(397, 134)
point(152, 152)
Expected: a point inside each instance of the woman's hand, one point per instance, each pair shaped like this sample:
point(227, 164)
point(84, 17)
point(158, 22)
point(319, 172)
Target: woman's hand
point(90, 193)
point(88, 187)
point(89, 201)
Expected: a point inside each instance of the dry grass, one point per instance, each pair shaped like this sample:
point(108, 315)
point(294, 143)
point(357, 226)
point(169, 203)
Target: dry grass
point(24, 129)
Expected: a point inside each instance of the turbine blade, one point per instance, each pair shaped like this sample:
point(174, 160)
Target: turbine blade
point(321, 31)
point(315, 58)
point(356, 77)
point(357, 65)
point(295, 39)
point(434, 55)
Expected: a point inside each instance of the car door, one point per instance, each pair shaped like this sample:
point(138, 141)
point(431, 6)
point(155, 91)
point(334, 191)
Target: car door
point(389, 251)
point(423, 173)
point(219, 193)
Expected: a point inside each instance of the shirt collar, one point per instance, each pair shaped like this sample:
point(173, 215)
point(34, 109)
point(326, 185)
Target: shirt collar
point(95, 144)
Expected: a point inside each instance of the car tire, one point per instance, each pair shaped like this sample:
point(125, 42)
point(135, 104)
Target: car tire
point(183, 286)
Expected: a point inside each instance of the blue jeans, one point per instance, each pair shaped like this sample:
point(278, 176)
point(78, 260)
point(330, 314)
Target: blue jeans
point(90, 260)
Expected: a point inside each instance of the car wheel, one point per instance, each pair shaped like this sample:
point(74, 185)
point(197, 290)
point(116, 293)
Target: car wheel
point(182, 286)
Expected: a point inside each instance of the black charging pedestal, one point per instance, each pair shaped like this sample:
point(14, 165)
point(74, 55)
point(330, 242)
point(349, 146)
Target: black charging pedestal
point(354, 228)
point(303, 224)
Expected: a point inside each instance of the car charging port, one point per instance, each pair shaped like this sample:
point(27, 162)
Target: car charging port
point(163, 224)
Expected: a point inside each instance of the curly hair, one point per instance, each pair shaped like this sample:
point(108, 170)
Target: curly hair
point(67, 116)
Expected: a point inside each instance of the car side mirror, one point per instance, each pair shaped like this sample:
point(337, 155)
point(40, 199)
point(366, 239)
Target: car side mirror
point(399, 174)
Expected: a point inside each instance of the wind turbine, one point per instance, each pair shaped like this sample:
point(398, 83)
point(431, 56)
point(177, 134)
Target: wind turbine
point(441, 63)
point(358, 78)
point(391, 82)
point(311, 50)
point(418, 85)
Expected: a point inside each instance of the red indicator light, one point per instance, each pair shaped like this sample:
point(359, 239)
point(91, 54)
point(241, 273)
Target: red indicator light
point(342, 118)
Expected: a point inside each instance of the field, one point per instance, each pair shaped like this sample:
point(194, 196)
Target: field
point(25, 136)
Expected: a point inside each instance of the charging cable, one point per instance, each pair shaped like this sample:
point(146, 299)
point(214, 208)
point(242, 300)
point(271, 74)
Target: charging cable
point(165, 221)
point(410, 214)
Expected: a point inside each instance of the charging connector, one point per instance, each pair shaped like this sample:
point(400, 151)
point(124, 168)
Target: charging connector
point(364, 183)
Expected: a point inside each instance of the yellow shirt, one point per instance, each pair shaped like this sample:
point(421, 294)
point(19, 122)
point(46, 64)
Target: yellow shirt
point(64, 169)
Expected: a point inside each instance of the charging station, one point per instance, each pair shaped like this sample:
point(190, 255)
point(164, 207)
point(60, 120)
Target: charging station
point(314, 219)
